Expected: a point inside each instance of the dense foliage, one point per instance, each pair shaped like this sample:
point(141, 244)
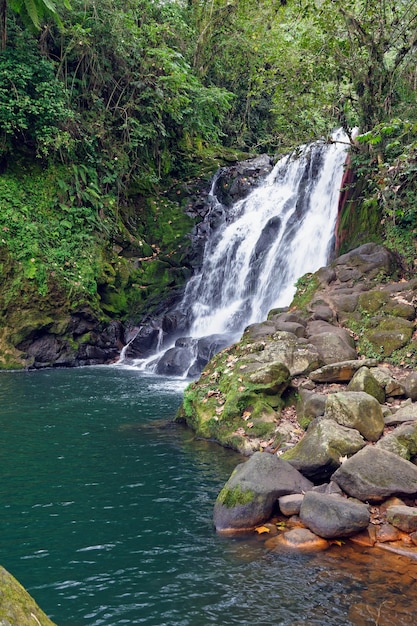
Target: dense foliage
point(106, 104)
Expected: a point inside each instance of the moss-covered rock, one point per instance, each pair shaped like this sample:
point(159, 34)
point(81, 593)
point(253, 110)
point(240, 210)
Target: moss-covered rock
point(17, 607)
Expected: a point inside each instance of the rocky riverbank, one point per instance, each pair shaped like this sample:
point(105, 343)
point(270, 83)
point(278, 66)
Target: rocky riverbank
point(328, 389)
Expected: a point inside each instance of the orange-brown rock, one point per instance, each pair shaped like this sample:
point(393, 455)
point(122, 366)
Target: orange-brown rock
point(300, 539)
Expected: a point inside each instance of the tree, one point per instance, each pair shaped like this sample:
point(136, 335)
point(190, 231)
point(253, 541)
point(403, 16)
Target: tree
point(32, 13)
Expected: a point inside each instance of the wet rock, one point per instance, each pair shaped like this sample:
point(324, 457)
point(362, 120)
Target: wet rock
point(332, 516)
point(319, 452)
point(403, 517)
point(175, 361)
point(387, 532)
point(299, 539)
point(249, 496)
point(358, 410)
point(340, 372)
point(363, 380)
point(374, 474)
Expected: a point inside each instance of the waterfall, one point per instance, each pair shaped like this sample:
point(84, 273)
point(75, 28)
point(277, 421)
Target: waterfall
point(253, 258)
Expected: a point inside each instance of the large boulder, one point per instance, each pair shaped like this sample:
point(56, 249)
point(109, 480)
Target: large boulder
point(17, 607)
point(250, 494)
point(321, 449)
point(332, 516)
point(356, 409)
point(374, 474)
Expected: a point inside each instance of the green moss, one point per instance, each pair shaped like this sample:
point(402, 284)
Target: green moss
point(306, 287)
point(235, 496)
point(17, 607)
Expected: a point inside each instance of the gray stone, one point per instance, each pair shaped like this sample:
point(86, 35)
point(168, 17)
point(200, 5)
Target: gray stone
point(391, 386)
point(297, 354)
point(332, 516)
point(333, 343)
point(340, 372)
point(403, 517)
point(323, 446)
point(401, 441)
point(311, 404)
point(374, 474)
point(406, 413)
point(363, 380)
point(410, 385)
point(290, 505)
point(367, 260)
point(356, 409)
point(248, 497)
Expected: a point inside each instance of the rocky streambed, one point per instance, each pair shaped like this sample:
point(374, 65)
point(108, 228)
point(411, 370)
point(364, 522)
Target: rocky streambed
point(322, 398)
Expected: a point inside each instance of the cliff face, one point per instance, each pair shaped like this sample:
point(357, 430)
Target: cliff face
point(354, 309)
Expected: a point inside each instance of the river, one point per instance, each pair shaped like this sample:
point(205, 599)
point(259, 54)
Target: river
point(106, 518)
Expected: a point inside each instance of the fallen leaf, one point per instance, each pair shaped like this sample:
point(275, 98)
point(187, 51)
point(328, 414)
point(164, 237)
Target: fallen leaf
point(262, 529)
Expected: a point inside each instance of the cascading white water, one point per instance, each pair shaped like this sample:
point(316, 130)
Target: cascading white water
point(253, 259)
point(282, 230)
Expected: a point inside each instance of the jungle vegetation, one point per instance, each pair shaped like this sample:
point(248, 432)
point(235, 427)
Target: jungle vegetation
point(112, 112)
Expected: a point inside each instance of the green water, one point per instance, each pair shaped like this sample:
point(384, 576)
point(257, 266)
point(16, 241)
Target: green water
point(106, 516)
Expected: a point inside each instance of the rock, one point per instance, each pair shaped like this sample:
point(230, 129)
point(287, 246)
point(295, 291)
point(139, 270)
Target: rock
point(300, 539)
point(388, 334)
point(406, 413)
point(329, 488)
point(391, 386)
point(387, 532)
point(356, 409)
point(401, 441)
point(249, 496)
point(370, 259)
point(340, 372)
point(298, 355)
point(332, 516)
point(374, 474)
point(290, 505)
point(318, 453)
point(403, 517)
point(310, 404)
point(175, 361)
point(17, 607)
point(410, 385)
point(270, 378)
point(334, 344)
point(363, 380)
